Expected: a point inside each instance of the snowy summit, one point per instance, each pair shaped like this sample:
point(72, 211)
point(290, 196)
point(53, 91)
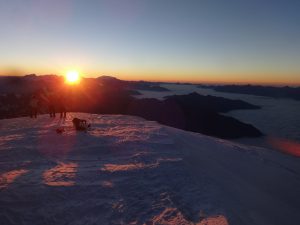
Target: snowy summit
point(126, 170)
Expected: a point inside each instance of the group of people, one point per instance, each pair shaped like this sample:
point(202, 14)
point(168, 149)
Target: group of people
point(53, 102)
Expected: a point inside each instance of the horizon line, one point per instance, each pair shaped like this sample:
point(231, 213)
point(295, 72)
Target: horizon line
point(266, 83)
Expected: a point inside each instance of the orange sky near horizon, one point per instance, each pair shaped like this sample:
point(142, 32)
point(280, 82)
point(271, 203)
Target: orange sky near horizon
point(172, 76)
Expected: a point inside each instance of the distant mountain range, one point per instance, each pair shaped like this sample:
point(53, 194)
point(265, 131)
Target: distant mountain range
point(268, 91)
point(131, 85)
point(32, 83)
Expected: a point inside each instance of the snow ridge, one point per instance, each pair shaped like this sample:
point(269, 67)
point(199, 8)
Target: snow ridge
point(126, 170)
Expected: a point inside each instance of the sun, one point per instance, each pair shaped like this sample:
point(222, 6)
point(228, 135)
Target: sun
point(72, 77)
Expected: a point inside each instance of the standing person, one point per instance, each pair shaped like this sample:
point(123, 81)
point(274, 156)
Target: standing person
point(49, 98)
point(52, 101)
point(33, 104)
point(62, 106)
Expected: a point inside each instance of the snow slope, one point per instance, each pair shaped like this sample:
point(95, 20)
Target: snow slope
point(130, 171)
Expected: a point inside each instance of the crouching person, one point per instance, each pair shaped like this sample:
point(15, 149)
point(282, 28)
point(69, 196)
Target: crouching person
point(80, 125)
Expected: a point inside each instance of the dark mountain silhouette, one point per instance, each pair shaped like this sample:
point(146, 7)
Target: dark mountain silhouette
point(131, 85)
point(196, 113)
point(268, 91)
point(210, 103)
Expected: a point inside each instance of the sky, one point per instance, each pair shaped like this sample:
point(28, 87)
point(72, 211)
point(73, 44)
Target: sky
point(232, 41)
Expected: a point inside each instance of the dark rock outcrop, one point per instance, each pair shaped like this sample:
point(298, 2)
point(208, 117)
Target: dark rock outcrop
point(196, 113)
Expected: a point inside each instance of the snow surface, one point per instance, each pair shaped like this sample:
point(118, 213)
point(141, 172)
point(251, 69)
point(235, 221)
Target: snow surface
point(126, 170)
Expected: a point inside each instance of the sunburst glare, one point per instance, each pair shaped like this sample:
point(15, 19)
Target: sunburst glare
point(72, 77)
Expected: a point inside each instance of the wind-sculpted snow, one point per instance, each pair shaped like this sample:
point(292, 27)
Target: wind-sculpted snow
point(9, 177)
point(61, 175)
point(126, 170)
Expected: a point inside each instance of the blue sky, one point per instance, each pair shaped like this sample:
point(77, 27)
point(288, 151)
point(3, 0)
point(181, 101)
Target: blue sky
point(187, 40)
